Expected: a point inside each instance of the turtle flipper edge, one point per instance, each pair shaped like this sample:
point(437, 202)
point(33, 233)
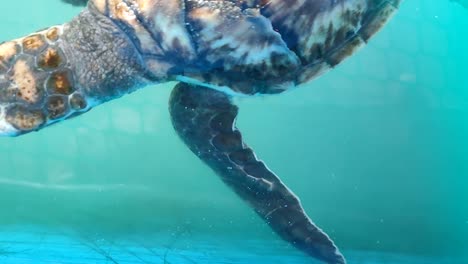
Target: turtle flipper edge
point(205, 121)
point(76, 2)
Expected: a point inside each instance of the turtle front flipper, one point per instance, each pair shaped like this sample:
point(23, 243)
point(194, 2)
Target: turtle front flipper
point(63, 71)
point(205, 120)
point(36, 84)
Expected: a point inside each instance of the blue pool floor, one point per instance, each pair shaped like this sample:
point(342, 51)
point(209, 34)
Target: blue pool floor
point(42, 247)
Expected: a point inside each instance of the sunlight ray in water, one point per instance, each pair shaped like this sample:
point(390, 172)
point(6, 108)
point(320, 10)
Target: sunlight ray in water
point(73, 187)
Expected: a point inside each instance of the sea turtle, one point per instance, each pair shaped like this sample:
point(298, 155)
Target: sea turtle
point(215, 49)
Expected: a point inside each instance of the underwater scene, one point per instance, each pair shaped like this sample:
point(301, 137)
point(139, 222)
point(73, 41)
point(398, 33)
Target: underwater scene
point(375, 149)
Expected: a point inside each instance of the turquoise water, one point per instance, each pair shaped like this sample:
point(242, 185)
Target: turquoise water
point(377, 150)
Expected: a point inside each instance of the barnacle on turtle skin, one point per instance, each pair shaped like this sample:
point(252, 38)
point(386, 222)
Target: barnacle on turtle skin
point(76, 2)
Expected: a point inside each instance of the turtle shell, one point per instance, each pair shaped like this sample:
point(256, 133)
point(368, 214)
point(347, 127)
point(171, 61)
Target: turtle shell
point(259, 46)
point(247, 46)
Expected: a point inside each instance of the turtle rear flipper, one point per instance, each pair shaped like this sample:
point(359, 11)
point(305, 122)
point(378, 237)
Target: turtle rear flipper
point(205, 120)
point(324, 33)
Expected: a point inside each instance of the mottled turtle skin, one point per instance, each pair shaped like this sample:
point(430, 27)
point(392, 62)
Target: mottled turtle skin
point(216, 49)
